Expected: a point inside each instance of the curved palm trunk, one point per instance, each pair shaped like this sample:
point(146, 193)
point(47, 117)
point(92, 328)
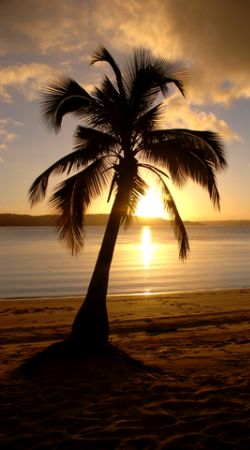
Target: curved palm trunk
point(90, 329)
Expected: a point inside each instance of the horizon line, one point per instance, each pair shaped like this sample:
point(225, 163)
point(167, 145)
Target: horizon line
point(150, 218)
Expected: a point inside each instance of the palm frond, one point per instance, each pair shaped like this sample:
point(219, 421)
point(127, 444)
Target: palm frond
point(129, 186)
point(38, 188)
point(154, 169)
point(170, 206)
point(109, 112)
point(172, 70)
point(94, 141)
point(105, 111)
point(147, 122)
point(61, 96)
point(146, 76)
point(135, 191)
point(188, 154)
point(177, 223)
point(71, 199)
point(102, 54)
point(90, 145)
point(112, 187)
point(206, 142)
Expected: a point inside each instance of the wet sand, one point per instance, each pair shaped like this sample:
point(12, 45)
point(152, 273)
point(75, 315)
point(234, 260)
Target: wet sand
point(198, 400)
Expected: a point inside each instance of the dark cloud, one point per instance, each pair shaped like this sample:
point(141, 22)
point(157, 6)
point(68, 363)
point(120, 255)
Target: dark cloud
point(215, 35)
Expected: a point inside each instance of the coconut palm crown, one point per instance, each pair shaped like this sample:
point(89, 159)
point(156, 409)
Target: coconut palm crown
point(118, 142)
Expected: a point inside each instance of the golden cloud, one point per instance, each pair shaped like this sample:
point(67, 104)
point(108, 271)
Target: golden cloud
point(7, 136)
point(25, 78)
point(181, 114)
point(212, 36)
point(43, 25)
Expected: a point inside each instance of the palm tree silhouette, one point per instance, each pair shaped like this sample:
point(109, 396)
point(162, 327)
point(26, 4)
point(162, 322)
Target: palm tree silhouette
point(117, 144)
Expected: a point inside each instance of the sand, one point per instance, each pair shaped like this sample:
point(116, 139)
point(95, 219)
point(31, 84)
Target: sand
point(198, 400)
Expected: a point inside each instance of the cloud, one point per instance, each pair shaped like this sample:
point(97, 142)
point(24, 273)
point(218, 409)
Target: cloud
point(25, 78)
point(180, 114)
point(215, 36)
point(57, 25)
point(212, 36)
point(7, 136)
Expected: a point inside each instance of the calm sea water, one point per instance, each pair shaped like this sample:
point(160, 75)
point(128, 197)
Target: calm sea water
point(34, 263)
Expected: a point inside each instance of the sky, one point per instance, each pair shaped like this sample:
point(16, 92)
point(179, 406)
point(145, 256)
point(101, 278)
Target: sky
point(39, 38)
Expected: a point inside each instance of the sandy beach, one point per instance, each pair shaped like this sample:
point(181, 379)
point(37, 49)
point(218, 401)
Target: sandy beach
point(199, 399)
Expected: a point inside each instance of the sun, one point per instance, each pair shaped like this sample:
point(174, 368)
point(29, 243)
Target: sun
point(151, 205)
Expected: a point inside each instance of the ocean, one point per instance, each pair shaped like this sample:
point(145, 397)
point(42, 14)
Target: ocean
point(34, 263)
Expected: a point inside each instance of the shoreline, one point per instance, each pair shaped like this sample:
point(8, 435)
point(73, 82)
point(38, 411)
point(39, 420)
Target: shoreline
point(127, 295)
point(59, 312)
point(35, 322)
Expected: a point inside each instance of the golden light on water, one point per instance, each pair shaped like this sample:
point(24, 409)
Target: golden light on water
point(147, 247)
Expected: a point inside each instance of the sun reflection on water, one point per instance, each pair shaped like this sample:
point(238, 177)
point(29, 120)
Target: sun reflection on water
point(147, 247)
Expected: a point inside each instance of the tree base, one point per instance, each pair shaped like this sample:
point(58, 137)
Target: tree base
point(65, 352)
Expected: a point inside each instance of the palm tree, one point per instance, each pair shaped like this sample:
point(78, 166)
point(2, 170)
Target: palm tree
point(118, 142)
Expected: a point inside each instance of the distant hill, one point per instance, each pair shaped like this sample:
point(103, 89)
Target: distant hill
point(225, 223)
point(25, 220)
